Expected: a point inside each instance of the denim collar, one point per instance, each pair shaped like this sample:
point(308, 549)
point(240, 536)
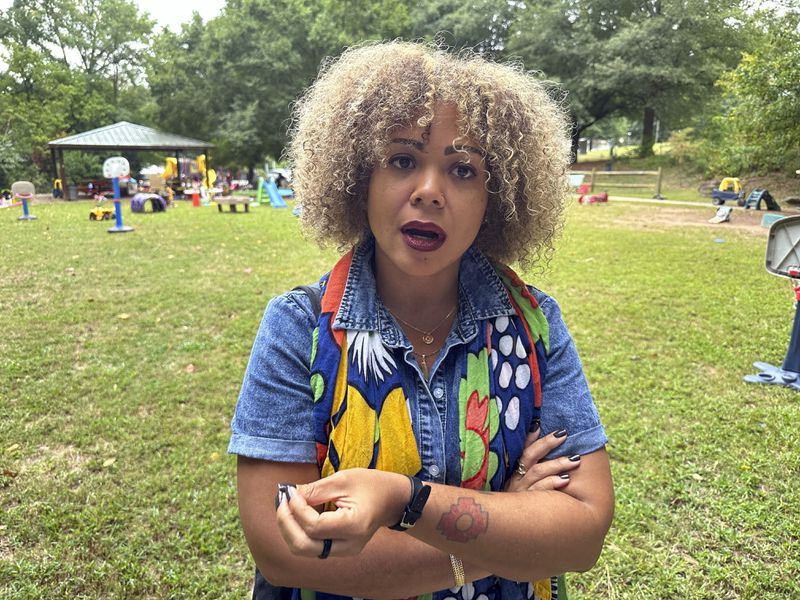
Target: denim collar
point(481, 296)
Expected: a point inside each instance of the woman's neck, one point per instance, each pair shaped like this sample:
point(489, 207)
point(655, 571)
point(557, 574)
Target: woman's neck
point(420, 300)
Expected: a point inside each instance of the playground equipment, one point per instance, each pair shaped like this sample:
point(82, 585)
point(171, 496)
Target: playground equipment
point(729, 188)
point(783, 260)
point(100, 212)
point(275, 195)
point(114, 168)
point(584, 197)
point(759, 195)
point(722, 215)
point(140, 200)
point(24, 190)
point(178, 173)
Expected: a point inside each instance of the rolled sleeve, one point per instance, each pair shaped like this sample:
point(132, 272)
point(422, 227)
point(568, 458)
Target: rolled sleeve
point(566, 400)
point(273, 418)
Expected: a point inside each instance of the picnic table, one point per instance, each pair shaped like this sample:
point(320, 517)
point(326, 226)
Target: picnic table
point(233, 202)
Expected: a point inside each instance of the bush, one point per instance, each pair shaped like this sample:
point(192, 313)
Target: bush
point(686, 151)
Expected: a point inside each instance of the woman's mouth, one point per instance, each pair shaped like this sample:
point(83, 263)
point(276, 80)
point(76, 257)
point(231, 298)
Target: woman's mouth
point(424, 237)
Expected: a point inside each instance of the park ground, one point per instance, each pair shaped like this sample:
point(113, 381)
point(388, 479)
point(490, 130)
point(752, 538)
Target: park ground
point(122, 355)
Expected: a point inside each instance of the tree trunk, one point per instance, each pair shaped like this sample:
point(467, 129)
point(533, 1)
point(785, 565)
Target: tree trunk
point(251, 175)
point(575, 139)
point(648, 139)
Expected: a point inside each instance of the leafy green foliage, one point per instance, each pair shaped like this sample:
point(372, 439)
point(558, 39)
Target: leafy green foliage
point(69, 67)
point(763, 123)
point(630, 58)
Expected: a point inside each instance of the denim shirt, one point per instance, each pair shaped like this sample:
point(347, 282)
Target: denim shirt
point(273, 418)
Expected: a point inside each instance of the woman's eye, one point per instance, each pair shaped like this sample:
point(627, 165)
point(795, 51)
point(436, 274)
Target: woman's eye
point(402, 162)
point(464, 171)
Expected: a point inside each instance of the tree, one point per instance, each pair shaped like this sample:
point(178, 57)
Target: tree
point(762, 124)
point(482, 25)
point(67, 66)
point(667, 56)
point(260, 56)
point(178, 75)
point(564, 40)
point(100, 38)
point(642, 57)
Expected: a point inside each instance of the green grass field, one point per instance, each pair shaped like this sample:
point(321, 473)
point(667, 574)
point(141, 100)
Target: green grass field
point(121, 357)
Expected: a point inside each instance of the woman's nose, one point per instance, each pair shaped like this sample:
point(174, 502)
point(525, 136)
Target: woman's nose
point(429, 188)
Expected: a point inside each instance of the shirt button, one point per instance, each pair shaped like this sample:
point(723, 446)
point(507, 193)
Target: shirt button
point(434, 470)
point(438, 393)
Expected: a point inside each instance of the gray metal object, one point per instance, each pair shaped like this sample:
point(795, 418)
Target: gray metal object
point(783, 260)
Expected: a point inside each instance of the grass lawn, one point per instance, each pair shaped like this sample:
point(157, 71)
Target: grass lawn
point(121, 358)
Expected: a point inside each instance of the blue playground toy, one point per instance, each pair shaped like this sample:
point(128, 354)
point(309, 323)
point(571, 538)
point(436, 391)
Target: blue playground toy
point(140, 200)
point(24, 191)
point(114, 168)
point(783, 259)
point(275, 195)
point(759, 195)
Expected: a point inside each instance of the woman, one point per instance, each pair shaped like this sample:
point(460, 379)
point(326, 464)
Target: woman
point(432, 377)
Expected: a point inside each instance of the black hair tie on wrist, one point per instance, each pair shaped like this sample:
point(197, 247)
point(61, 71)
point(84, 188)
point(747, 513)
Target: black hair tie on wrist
point(326, 548)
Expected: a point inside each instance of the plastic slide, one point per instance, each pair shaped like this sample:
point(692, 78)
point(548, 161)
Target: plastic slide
point(275, 198)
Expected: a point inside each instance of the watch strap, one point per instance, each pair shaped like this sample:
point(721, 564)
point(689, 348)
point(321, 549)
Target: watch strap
point(413, 510)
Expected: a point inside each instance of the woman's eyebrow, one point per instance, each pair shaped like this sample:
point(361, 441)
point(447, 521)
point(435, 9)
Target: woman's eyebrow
point(464, 148)
point(447, 151)
point(416, 144)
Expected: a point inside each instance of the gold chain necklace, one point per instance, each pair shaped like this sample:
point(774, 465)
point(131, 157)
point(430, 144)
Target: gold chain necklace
point(423, 360)
point(427, 336)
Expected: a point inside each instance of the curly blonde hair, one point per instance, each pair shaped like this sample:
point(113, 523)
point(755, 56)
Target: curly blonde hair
point(341, 125)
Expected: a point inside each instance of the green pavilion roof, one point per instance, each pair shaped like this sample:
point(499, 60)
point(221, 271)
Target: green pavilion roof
point(128, 136)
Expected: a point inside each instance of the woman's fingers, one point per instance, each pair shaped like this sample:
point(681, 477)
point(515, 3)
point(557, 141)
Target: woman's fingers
point(300, 527)
point(554, 482)
point(536, 448)
point(298, 541)
point(558, 467)
point(533, 472)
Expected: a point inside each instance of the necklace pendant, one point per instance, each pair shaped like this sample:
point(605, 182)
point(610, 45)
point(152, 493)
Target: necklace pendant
point(427, 338)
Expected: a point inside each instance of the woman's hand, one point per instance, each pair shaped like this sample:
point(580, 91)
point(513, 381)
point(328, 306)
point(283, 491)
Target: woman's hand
point(365, 499)
point(542, 474)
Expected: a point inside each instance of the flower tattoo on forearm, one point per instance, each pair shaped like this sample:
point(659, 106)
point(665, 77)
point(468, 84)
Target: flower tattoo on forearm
point(465, 521)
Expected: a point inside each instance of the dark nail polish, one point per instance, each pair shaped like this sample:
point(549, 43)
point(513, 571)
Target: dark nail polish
point(564, 476)
point(534, 425)
point(560, 433)
point(279, 497)
point(575, 457)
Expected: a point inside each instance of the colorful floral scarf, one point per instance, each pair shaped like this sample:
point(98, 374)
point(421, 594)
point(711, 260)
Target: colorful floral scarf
point(361, 418)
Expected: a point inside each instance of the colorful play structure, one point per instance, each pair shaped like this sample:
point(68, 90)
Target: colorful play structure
point(783, 260)
point(177, 173)
point(730, 190)
point(275, 195)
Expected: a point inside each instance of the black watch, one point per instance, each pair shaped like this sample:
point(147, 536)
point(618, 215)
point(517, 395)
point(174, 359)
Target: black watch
point(413, 511)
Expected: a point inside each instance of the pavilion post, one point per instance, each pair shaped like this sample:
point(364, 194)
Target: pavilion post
point(208, 166)
point(63, 172)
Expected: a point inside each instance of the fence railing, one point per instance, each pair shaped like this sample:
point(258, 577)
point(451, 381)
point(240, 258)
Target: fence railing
point(645, 180)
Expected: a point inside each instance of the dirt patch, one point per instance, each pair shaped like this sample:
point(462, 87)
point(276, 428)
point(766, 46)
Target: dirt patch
point(45, 459)
point(748, 222)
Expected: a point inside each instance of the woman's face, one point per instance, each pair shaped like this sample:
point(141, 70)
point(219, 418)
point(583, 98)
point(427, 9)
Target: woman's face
point(426, 205)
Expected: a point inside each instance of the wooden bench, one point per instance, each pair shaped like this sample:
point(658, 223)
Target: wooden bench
point(232, 202)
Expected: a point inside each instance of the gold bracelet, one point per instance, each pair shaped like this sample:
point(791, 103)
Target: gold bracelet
point(458, 570)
